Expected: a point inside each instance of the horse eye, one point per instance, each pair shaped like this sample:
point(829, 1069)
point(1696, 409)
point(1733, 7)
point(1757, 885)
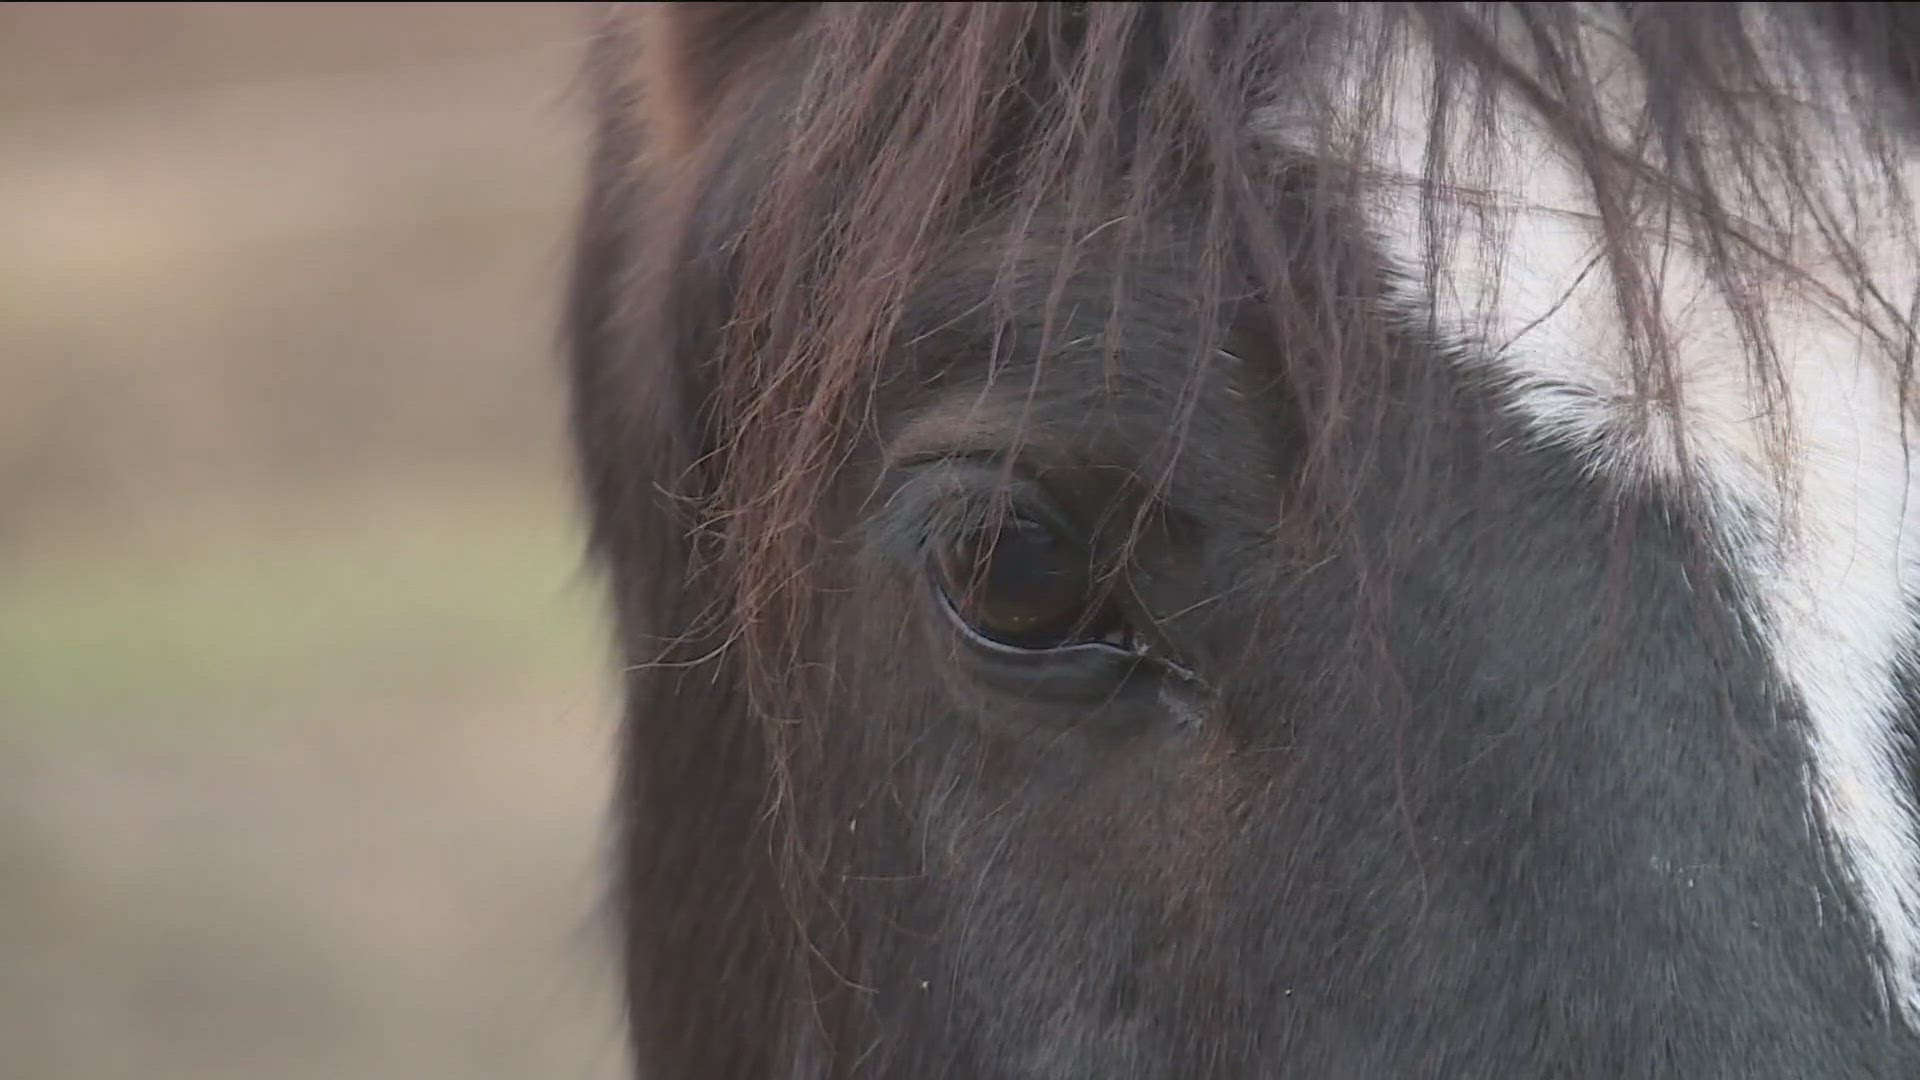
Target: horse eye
point(1021, 585)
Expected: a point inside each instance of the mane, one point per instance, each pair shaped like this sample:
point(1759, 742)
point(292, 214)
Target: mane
point(893, 125)
point(778, 254)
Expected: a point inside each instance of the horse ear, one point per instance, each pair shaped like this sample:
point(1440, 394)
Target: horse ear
point(693, 56)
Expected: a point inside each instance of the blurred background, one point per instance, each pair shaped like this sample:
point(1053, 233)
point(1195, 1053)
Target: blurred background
point(304, 709)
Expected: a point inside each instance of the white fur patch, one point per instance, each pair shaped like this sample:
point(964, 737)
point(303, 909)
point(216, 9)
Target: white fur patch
point(1823, 538)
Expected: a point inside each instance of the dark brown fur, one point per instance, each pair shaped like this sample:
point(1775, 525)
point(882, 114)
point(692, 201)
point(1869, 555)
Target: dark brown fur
point(776, 187)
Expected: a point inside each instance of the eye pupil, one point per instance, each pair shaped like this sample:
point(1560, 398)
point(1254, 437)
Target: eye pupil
point(1020, 584)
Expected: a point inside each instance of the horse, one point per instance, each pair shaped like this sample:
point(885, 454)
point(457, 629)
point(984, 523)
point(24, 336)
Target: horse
point(1223, 541)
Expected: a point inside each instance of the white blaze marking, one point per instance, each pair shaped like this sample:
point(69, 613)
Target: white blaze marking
point(1826, 544)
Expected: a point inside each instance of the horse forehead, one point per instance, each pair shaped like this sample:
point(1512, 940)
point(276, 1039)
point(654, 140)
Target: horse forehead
point(1812, 526)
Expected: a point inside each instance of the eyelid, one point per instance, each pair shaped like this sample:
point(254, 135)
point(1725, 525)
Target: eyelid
point(959, 426)
point(1142, 650)
point(1001, 648)
point(962, 505)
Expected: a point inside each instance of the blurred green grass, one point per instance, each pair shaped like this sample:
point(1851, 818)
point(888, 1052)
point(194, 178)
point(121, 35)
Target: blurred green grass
point(305, 720)
point(197, 626)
